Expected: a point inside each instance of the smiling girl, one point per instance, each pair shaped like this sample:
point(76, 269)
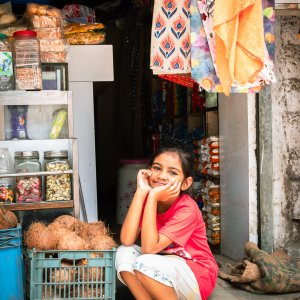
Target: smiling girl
point(174, 260)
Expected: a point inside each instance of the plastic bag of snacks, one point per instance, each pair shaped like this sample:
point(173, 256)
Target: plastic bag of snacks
point(48, 23)
point(84, 34)
point(77, 13)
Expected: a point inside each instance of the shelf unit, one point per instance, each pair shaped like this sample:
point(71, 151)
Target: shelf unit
point(48, 101)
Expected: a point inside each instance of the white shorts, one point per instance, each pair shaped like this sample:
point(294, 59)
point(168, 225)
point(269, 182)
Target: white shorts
point(170, 270)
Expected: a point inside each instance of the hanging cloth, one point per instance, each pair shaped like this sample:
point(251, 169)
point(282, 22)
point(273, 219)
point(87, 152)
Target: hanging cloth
point(239, 38)
point(265, 76)
point(170, 37)
point(203, 70)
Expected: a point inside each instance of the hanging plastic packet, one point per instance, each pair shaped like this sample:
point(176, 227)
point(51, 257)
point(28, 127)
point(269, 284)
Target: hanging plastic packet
point(58, 123)
point(18, 117)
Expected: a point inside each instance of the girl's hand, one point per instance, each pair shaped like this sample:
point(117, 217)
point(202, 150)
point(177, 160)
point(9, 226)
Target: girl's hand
point(142, 180)
point(165, 192)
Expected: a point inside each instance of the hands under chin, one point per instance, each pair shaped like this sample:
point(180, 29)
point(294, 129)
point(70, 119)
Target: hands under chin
point(165, 192)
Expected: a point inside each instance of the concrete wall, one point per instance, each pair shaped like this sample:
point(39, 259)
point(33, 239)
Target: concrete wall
point(280, 144)
point(237, 128)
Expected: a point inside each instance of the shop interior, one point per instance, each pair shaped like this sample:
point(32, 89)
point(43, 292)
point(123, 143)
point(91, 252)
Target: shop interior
point(138, 112)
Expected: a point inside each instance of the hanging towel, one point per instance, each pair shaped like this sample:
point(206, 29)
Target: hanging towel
point(239, 38)
point(170, 37)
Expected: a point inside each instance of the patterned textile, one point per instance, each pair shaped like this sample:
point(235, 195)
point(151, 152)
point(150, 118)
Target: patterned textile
point(203, 70)
point(266, 273)
point(170, 37)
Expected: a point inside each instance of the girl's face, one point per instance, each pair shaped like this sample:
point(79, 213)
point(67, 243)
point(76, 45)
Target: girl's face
point(167, 167)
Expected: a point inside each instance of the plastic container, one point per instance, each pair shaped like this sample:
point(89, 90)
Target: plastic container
point(29, 188)
point(70, 274)
point(6, 183)
point(6, 64)
point(58, 187)
point(27, 68)
point(11, 264)
point(127, 185)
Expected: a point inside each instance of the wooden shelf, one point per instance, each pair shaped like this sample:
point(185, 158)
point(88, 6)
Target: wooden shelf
point(39, 205)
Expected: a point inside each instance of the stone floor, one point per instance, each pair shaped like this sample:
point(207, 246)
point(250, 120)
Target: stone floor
point(223, 290)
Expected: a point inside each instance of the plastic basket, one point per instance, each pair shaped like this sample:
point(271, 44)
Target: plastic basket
point(11, 264)
point(70, 274)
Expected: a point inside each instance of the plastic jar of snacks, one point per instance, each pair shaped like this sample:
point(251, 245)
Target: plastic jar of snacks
point(58, 187)
point(28, 188)
point(6, 70)
point(27, 63)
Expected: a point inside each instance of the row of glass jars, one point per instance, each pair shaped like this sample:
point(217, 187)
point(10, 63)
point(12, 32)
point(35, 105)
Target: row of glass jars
point(29, 188)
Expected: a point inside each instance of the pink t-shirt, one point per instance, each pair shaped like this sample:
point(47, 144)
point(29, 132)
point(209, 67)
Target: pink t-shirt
point(184, 225)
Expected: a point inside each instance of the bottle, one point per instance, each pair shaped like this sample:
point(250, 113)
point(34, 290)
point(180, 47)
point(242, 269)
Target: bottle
point(6, 64)
point(6, 183)
point(29, 188)
point(58, 187)
point(27, 63)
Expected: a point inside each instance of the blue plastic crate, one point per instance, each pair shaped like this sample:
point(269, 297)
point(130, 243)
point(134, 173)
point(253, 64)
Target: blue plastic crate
point(70, 274)
point(11, 264)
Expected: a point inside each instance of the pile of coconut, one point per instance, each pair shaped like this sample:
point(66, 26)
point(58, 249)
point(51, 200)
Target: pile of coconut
point(68, 233)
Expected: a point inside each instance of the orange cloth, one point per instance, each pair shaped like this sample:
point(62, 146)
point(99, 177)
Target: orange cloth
point(239, 35)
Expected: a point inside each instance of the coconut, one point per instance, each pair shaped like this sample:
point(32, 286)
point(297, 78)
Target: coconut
point(40, 237)
point(71, 241)
point(64, 274)
point(66, 221)
point(7, 219)
point(96, 229)
point(101, 242)
point(81, 229)
point(57, 231)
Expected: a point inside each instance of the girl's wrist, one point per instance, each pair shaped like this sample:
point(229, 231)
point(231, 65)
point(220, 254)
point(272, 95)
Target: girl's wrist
point(141, 192)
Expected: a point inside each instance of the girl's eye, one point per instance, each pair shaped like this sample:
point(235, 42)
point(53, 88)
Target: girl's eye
point(173, 173)
point(156, 168)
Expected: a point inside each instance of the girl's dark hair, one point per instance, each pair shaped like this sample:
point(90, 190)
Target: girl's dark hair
point(186, 159)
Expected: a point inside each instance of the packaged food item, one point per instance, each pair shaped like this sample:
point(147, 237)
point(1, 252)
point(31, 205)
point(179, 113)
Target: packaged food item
point(42, 10)
point(6, 64)
point(84, 34)
point(6, 14)
point(58, 122)
point(53, 57)
point(6, 183)
point(78, 13)
point(43, 21)
point(49, 33)
point(58, 187)
point(28, 188)
point(18, 120)
point(27, 66)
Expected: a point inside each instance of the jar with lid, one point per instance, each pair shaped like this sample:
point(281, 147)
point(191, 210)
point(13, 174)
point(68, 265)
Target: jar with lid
point(28, 188)
point(6, 183)
point(58, 187)
point(27, 63)
point(6, 64)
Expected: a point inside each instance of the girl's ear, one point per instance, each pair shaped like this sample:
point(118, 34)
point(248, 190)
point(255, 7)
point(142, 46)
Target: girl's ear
point(186, 183)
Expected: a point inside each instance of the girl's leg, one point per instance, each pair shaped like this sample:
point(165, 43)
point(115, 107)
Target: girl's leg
point(135, 287)
point(156, 290)
point(125, 258)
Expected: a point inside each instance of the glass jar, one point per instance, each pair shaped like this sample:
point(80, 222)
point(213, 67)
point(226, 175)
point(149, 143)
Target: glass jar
point(6, 64)
point(28, 188)
point(58, 187)
point(27, 63)
point(6, 183)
